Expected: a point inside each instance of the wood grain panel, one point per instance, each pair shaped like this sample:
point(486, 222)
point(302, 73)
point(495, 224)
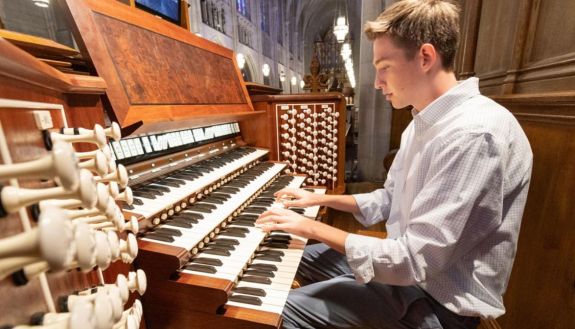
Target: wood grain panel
point(156, 69)
point(541, 291)
point(496, 38)
point(551, 18)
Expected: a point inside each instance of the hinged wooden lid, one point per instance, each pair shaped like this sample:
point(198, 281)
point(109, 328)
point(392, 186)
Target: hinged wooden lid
point(159, 75)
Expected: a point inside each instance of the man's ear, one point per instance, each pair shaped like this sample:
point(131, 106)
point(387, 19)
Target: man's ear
point(428, 56)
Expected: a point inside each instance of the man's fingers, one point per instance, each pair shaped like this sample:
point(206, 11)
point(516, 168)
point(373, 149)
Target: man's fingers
point(271, 218)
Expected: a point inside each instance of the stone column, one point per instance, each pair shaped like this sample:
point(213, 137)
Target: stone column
point(374, 117)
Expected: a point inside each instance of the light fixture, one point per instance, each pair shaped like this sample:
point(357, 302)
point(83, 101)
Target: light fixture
point(282, 77)
point(42, 3)
point(266, 70)
point(241, 59)
point(345, 51)
point(293, 81)
point(340, 29)
point(301, 84)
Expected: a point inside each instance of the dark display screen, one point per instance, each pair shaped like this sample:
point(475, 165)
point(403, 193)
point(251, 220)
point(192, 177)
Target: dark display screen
point(167, 9)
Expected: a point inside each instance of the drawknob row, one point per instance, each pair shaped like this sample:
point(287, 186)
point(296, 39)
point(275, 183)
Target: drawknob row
point(78, 227)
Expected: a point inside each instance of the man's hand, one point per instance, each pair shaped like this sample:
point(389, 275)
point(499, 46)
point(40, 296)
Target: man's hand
point(299, 197)
point(286, 220)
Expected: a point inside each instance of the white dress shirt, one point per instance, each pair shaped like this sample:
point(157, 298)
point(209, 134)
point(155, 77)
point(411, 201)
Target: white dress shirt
point(453, 200)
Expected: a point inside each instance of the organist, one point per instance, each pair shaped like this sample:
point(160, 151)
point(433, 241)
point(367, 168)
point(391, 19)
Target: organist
point(453, 199)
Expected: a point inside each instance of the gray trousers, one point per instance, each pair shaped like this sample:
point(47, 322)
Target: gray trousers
point(331, 298)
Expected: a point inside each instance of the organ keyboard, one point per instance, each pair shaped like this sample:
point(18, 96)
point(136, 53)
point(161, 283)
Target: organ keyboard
point(199, 235)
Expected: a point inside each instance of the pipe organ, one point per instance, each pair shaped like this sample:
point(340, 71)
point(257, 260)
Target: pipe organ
point(129, 198)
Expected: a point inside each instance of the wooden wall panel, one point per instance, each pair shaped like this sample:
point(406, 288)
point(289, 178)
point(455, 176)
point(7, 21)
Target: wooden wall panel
point(551, 40)
point(525, 59)
point(541, 292)
point(495, 40)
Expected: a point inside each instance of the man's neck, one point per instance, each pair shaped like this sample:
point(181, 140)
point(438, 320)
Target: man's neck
point(437, 85)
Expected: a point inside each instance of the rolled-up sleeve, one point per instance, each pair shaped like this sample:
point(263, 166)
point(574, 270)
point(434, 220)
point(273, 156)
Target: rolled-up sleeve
point(375, 206)
point(372, 207)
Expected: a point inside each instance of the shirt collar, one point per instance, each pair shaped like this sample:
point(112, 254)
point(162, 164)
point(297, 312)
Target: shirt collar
point(433, 112)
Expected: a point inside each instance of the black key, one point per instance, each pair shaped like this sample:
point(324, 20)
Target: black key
point(147, 189)
point(174, 180)
point(168, 231)
point(181, 224)
point(230, 242)
point(269, 258)
point(277, 245)
point(255, 210)
point(191, 215)
point(212, 200)
point(250, 291)
point(228, 189)
point(159, 187)
point(213, 251)
point(221, 196)
point(285, 237)
point(207, 261)
point(128, 207)
point(151, 191)
point(279, 238)
point(201, 268)
point(213, 245)
point(245, 299)
point(185, 219)
point(145, 195)
point(300, 211)
point(186, 176)
point(167, 183)
point(267, 274)
point(270, 252)
point(195, 207)
point(257, 279)
point(261, 266)
point(243, 216)
point(244, 223)
point(237, 229)
point(206, 205)
point(234, 234)
point(137, 202)
point(159, 237)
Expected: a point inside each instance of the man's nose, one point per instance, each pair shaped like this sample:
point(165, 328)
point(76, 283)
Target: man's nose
point(377, 83)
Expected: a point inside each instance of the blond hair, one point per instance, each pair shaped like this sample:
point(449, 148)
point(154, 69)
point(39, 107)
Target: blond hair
point(411, 23)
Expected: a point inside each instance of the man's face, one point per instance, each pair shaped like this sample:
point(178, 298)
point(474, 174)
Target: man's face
point(396, 75)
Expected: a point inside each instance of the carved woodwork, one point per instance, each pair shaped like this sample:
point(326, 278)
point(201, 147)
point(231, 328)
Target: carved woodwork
point(316, 81)
point(156, 73)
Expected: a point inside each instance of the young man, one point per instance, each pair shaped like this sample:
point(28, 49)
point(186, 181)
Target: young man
point(453, 198)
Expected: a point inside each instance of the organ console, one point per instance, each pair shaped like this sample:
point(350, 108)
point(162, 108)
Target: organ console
point(176, 196)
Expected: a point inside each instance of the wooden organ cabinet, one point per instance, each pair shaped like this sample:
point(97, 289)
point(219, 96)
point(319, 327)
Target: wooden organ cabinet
point(65, 245)
point(168, 209)
point(307, 131)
